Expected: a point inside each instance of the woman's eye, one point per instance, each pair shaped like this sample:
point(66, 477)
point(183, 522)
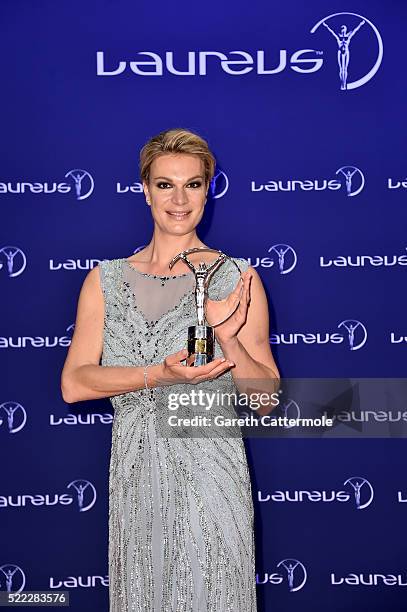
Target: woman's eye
point(193, 184)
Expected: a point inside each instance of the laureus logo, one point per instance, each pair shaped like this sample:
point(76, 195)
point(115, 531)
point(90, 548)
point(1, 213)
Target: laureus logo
point(85, 494)
point(357, 333)
point(363, 491)
point(13, 260)
point(12, 577)
point(284, 256)
point(83, 183)
point(296, 573)
point(343, 27)
point(354, 179)
point(13, 415)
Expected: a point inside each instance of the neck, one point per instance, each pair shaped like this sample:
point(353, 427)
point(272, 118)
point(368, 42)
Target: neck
point(164, 247)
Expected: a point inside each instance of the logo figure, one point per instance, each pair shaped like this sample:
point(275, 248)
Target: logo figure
point(219, 185)
point(9, 570)
point(348, 172)
point(351, 325)
point(357, 483)
point(77, 176)
point(10, 408)
point(343, 38)
point(290, 410)
point(290, 565)
point(281, 250)
point(10, 252)
point(80, 487)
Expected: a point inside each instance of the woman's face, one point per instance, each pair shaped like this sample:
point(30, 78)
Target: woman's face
point(176, 192)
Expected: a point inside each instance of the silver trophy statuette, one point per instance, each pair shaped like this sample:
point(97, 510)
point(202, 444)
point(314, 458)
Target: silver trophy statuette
point(201, 337)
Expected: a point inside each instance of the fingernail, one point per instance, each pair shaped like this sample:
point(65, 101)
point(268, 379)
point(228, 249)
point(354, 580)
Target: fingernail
point(231, 363)
point(223, 359)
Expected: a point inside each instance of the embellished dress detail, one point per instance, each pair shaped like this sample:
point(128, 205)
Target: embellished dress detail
point(181, 535)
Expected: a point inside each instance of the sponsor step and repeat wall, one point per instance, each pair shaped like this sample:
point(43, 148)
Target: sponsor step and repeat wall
point(304, 106)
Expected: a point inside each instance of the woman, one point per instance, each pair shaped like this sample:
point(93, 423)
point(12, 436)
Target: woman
point(180, 509)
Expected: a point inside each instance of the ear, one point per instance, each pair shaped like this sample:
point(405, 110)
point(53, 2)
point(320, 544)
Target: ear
point(146, 193)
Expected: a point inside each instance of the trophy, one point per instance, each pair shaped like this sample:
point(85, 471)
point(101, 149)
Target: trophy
point(201, 337)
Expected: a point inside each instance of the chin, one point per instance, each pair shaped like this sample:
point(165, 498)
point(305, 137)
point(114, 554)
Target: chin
point(180, 231)
point(179, 227)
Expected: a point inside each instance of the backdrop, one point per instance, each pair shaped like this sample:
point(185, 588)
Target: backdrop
point(303, 104)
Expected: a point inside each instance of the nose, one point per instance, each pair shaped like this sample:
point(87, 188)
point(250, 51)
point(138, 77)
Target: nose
point(179, 196)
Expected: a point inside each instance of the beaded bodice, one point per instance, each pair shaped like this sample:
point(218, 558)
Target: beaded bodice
point(147, 316)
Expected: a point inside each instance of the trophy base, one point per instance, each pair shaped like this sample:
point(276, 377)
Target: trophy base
point(201, 340)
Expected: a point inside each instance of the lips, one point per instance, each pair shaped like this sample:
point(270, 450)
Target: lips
point(178, 215)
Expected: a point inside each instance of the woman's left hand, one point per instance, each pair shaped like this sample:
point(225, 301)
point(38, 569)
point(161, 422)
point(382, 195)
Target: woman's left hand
point(217, 310)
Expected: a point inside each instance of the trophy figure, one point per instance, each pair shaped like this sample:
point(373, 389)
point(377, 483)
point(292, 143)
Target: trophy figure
point(201, 337)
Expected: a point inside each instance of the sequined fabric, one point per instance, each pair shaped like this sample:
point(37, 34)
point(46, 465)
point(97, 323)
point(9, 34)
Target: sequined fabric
point(180, 508)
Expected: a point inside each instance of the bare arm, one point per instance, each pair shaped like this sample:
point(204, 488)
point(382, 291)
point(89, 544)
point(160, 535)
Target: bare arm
point(250, 348)
point(356, 29)
point(84, 379)
point(332, 32)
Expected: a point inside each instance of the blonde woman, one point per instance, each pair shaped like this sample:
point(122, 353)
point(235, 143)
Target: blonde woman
point(180, 508)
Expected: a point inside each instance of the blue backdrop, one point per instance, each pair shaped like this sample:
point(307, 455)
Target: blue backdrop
point(307, 121)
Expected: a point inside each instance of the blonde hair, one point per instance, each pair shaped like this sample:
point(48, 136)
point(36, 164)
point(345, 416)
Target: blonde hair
point(177, 140)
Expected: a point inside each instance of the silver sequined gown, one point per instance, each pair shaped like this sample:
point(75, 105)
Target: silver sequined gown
point(180, 508)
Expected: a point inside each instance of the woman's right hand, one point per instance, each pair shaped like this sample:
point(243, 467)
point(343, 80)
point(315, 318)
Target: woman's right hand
point(172, 371)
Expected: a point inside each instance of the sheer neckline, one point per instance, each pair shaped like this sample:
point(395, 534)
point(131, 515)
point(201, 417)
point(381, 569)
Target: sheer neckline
point(155, 275)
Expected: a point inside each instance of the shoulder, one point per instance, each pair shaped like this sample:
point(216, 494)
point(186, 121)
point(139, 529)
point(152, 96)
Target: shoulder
point(108, 266)
point(256, 282)
point(103, 274)
point(109, 263)
point(242, 263)
point(102, 267)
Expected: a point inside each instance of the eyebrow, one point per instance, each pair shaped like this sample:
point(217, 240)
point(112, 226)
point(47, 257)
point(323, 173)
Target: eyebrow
point(170, 181)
